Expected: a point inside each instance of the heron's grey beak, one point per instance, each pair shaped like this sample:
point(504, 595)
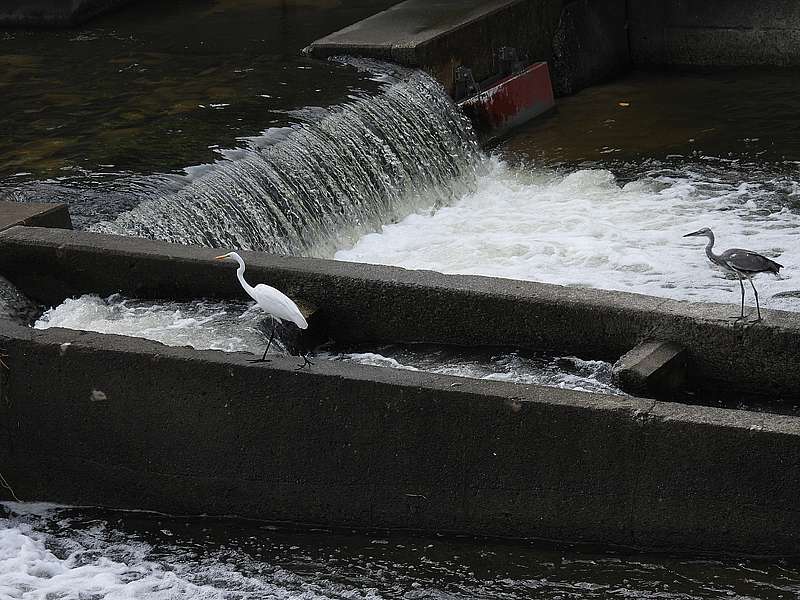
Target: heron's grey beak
point(693, 233)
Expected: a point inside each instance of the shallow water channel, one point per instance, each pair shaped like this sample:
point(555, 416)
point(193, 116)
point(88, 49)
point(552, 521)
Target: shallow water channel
point(152, 118)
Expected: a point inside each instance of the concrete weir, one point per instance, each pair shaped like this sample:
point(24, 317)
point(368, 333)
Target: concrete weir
point(99, 419)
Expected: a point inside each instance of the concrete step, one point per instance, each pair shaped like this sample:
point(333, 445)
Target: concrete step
point(653, 369)
point(34, 215)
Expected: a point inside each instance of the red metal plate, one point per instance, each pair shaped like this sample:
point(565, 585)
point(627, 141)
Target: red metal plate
point(511, 102)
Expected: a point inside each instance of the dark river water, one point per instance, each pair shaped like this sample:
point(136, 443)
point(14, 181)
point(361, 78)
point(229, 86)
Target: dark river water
point(91, 114)
point(175, 120)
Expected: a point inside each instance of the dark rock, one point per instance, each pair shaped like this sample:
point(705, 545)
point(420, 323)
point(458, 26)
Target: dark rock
point(15, 306)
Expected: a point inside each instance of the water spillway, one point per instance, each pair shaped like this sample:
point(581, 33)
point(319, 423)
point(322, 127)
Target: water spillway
point(341, 172)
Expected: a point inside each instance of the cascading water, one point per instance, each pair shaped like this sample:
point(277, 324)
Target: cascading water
point(306, 189)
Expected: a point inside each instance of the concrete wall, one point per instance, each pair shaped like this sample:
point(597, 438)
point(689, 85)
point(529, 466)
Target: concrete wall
point(124, 422)
point(52, 13)
point(375, 304)
point(584, 40)
point(715, 32)
point(439, 37)
point(590, 44)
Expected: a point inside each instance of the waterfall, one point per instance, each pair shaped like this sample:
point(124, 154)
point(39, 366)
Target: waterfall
point(320, 184)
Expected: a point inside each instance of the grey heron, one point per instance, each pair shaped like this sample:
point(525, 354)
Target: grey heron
point(745, 264)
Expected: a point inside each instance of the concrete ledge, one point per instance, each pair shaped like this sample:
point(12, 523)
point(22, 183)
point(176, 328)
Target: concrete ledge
point(125, 422)
point(34, 215)
point(441, 35)
point(375, 304)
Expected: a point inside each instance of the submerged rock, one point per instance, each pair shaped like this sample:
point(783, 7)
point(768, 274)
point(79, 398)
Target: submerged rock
point(15, 305)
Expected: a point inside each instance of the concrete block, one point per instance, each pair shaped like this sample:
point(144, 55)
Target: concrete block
point(653, 370)
point(34, 215)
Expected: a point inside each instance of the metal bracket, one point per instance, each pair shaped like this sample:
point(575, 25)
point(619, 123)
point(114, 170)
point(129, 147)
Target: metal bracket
point(510, 60)
point(465, 84)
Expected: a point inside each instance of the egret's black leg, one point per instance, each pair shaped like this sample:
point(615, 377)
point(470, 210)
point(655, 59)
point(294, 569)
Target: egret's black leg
point(758, 308)
point(306, 362)
point(269, 343)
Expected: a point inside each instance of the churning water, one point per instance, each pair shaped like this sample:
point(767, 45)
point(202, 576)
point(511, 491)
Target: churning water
point(338, 173)
point(587, 228)
point(52, 552)
point(233, 327)
point(203, 325)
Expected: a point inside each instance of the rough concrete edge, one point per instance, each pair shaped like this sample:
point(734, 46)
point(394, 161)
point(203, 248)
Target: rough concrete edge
point(53, 214)
point(645, 415)
point(415, 44)
point(500, 390)
point(620, 320)
point(712, 313)
point(640, 409)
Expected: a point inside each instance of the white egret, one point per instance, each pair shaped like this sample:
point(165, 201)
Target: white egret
point(273, 302)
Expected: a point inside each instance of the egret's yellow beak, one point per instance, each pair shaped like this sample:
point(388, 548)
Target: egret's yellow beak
point(220, 257)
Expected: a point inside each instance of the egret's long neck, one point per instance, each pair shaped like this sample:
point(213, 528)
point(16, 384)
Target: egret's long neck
point(709, 248)
point(240, 274)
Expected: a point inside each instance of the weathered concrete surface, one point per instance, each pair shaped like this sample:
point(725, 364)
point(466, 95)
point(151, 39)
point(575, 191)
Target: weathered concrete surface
point(653, 369)
point(34, 214)
point(715, 32)
point(52, 13)
point(125, 422)
point(376, 304)
point(590, 44)
point(585, 41)
point(441, 35)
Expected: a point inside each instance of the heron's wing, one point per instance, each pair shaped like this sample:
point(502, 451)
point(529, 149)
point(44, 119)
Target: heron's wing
point(278, 304)
point(748, 261)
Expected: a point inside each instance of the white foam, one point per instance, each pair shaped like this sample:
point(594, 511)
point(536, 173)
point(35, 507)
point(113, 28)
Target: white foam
point(568, 373)
point(586, 229)
point(28, 569)
point(45, 554)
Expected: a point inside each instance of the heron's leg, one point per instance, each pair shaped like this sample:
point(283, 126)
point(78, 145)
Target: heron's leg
point(758, 308)
point(741, 285)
